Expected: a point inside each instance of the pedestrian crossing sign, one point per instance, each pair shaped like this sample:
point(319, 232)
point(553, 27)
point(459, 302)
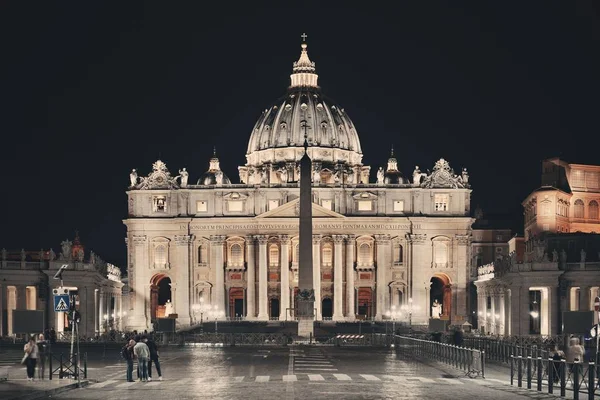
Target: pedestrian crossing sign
point(61, 303)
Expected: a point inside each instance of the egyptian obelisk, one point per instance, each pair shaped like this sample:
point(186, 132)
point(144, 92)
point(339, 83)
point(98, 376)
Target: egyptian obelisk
point(306, 296)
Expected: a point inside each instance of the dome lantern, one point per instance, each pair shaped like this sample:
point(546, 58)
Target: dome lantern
point(304, 70)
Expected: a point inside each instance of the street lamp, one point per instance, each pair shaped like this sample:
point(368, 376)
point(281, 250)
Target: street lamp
point(393, 313)
point(409, 309)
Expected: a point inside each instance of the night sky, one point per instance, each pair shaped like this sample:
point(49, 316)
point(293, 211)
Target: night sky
point(90, 90)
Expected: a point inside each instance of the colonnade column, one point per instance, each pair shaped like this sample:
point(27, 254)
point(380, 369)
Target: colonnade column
point(216, 245)
point(382, 241)
point(102, 311)
point(350, 302)
point(262, 278)
point(250, 276)
point(338, 312)
point(502, 312)
point(4, 306)
point(317, 274)
point(584, 298)
point(284, 264)
point(21, 297)
point(182, 305)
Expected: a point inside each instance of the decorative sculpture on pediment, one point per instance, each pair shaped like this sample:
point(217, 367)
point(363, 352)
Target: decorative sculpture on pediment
point(51, 255)
point(183, 177)
point(418, 175)
point(283, 175)
point(443, 177)
point(159, 178)
point(66, 246)
point(380, 176)
point(554, 255)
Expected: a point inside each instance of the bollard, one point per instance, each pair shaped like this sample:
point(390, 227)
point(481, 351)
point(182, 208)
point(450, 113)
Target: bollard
point(512, 370)
point(519, 371)
point(483, 364)
point(551, 373)
point(60, 372)
point(540, 366)
point(528, 372)
point(576, 380)
point(591, 380)
point(85, 365)
point(563, 378)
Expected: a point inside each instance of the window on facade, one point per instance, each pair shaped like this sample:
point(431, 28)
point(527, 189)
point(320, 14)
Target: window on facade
point(327, 255)
point(160, 204)
point(400, 253)
point(237, 255)
point(160, 255)
point(578, 209)
point(364, 254)
point(399, 205)
point(593, 209)
point(326, 204)
point(201, 206)
point(365, 205)
point(273, 255)
point(273, 204)
point(441, 202)
point(546, 209)
point(202, 254)
point(578, 178)
point(546, 227)
point(440, 252)
point(235, 205)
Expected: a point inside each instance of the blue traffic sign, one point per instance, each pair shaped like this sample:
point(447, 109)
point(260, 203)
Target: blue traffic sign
point(62, 302)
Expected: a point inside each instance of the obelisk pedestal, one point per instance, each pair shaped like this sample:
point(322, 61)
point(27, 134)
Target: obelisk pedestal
point(305, 301)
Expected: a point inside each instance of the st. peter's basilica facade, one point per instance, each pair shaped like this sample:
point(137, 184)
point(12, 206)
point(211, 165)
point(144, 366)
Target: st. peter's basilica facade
point(231, 250)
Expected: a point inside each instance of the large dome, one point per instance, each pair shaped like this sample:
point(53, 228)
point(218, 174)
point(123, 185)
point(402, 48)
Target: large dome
point(278, 136)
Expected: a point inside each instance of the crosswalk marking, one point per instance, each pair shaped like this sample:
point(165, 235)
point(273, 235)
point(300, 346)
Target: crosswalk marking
point(312, 377)
point(263, 378)
point(155, 383)
point(370, 377)
point(239, 378)
point(125, 384)
point(315, 369)
point(451, 381)
point(342, 377)
point(290, 378)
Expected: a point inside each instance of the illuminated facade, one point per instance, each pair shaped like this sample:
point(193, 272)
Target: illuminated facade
point(227, 250)
point(556, 266)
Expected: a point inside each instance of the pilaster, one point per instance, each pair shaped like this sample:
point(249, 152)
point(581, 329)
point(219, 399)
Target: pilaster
point(350, 302)
point(250, 279)
point(217, 262)
point(284, 264)
point(263, 305)
point(382, 242)
point(183, 277)
point(338, 312)
point(316, 240)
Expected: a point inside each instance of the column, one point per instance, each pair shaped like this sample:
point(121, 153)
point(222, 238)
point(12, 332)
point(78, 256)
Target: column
point(350, 302)
point(102, 321)
point(502, 312)
point(182, 300)
point(263, 305)
point(493, 319)
point(250, 279)
point(216, 245)
point(584, 298)
point(382, 241)
point(4, 309)
point(96, 311)
point(317, 274)
point(284, 264)
point(138, 282)
point(21, 297)
point(338, 312)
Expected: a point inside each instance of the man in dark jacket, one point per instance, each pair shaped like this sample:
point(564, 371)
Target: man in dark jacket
point(153, 358)
point(127, 354)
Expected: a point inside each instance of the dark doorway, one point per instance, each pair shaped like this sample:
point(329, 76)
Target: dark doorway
point(236, 302)
point(160, 292)
point(274, 308)
point(365, 300)
point(441, 291)
point(327, 308)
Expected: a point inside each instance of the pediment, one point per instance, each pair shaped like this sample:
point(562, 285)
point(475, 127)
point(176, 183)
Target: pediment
point(364, 196)
point(292, 210)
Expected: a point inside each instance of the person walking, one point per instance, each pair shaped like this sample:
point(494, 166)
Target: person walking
point(153, 357)
point(142, 353)
point(31, 355)
point(557, 356)
point(127, 354)
point(44, 352)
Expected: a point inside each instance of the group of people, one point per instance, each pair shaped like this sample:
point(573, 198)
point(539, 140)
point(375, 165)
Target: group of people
point(36, 349)
point(145, 351)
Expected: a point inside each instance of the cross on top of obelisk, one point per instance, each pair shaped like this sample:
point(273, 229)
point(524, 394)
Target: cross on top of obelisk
point(304, 36)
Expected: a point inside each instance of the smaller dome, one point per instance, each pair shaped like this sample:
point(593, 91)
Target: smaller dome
point(392, 176)
point(214, 175)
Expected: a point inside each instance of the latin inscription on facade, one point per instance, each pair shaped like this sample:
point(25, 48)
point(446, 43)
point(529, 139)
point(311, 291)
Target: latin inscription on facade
point(259, 226)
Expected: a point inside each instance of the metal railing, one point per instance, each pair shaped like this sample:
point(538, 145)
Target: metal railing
point(580, 378)
point(73, 367)
point(501, 349)
point(471, 361)
point(234, 339)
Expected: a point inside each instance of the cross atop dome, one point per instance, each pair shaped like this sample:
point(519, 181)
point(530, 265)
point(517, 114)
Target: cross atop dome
point(304, 70)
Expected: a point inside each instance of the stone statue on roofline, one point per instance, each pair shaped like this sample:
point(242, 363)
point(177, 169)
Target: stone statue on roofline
point(380, 176)
point(133, 178)
point(183, 175)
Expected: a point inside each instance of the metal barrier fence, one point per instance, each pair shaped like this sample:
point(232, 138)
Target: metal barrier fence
point(581, 378)
point(233, 339)
point(370, 339)
point(501, 349)
point(73, 367)
point(471, 361)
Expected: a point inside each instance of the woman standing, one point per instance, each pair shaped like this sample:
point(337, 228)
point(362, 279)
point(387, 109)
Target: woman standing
point(31, 351)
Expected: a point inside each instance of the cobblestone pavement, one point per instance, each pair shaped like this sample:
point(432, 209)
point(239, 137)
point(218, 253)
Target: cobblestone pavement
point(294, 373)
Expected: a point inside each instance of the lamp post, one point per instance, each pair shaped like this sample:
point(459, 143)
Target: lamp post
point(393, 313)
point(409, 309)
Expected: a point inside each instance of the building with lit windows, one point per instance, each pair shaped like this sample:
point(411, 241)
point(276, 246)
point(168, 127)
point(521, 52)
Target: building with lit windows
point(230, 250)
point(555, 267)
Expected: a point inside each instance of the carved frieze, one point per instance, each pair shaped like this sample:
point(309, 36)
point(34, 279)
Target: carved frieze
point(159, 178)
point(462, 240)
point(139, 240)
point(417, 238)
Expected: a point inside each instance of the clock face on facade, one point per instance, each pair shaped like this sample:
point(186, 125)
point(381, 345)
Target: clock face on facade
point(159, 179)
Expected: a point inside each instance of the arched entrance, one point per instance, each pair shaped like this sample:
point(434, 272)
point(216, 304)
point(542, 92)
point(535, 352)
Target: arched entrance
point(160, 293)
point(441, 291)
point(274, 308)
point(326, 308)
